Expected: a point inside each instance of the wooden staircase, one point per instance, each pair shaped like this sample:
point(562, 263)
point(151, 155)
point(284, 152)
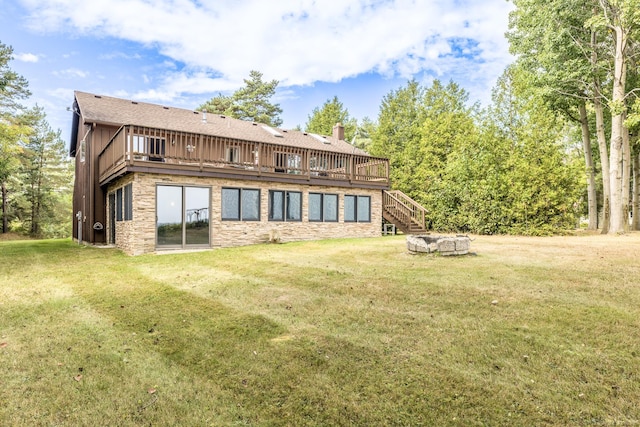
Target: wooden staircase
point(401, 210)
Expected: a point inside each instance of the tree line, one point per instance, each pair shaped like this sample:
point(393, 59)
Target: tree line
point(583, 54)
point(513, 167)
point(556, 144)
point(36, 176)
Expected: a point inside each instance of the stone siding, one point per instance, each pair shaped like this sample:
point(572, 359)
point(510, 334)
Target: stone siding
point(138, 236)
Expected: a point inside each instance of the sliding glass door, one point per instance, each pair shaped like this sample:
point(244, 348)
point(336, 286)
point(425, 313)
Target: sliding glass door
point(182, 216)
point(196, 219)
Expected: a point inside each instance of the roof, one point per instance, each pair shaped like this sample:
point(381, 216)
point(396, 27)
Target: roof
point(112, 111)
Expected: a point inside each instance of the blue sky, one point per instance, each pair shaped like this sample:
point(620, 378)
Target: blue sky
point(183, 52)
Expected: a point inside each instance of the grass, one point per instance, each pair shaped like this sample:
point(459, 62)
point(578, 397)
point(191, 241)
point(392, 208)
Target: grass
point(530, 331)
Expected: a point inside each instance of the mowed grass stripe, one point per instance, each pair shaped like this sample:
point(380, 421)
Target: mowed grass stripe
point(346, 332)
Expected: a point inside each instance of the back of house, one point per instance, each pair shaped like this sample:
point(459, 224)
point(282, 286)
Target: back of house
point(151, 177)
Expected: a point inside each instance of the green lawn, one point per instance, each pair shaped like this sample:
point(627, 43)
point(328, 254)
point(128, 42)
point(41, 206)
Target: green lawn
point(529, 331)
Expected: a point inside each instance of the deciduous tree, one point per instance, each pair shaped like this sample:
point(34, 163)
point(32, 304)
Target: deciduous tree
point(550, 38)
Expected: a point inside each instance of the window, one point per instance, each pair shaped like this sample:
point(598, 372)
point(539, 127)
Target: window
point(148, 148)
point(119, 204)
point(289, 163)
point(231, 155)
point(285, 205)
point(357, 208)
point(156, 149)
point(128, 203)
point(318, 165)
point(294, 161)
point(240, 204)
point(83, 150)
point(123, 199)
point(323, 207)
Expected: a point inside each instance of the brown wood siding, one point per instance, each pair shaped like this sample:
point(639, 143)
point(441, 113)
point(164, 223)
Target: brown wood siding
point(80, 185)
point(88, 196)
point(100, 137)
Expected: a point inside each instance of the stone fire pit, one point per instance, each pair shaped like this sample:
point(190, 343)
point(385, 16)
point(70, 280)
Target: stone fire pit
point(445, 245)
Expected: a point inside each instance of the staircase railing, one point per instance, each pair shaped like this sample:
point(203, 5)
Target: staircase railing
point(404, 209)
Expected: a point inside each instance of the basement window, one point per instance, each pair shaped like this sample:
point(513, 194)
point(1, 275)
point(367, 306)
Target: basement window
point(285, 205)
point(357, 208)
point(240, 204)
point(124, 203)
point(119, 216)
point(128, 203)
point(323, 207)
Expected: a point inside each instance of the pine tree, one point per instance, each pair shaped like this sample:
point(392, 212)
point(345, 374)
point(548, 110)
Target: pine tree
point(13, 88)
point(251, 102)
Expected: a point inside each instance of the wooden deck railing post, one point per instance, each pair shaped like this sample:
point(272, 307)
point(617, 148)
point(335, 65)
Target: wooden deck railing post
point(258, 155)
point(128, 145)
point(201, 148)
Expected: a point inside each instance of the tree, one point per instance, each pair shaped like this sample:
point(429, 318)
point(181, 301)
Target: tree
point(550, 37)
point(633, 124)
point(622, 19)
point(448, 125)
point(251, 102)
point(43, 179)
point(399, 121)
point(365, 130)
point(539, 179)
point(602, 39)
point(322, 119)
point(505, 170)
point(219, 104)
point(13, 88)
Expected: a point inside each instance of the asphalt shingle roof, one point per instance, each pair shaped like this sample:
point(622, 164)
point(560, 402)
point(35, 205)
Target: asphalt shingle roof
point(116, 111)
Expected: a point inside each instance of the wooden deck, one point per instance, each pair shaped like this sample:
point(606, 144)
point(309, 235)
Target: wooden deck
point(141, 149)
point(404, 212)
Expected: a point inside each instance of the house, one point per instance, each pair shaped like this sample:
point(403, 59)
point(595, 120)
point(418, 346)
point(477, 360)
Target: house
point(151, 178)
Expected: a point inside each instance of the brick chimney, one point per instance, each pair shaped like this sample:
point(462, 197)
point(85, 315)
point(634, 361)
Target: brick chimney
point(338, 131)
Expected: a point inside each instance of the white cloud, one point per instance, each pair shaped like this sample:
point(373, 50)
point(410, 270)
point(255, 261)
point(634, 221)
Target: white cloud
point(71, 73)
point(119, 55)
point(27, 57)
point(297, 42)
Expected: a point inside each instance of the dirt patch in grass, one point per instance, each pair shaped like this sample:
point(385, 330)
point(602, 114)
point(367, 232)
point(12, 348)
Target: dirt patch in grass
point(5, 237)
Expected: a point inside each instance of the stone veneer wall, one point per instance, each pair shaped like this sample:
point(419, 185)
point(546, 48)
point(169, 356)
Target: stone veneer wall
point(139, 235)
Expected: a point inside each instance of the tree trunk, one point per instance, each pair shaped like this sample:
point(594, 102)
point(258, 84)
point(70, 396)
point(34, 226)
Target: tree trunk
point(604, 162)
point(37, 194)
point(592, 196)
point(635, 209)
point(602, 139)
point(616, 166)
point(626, 175)
point(5, 221)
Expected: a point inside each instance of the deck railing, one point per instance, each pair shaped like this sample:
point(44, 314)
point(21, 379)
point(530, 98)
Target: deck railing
point(410, 214)
point(165, 149)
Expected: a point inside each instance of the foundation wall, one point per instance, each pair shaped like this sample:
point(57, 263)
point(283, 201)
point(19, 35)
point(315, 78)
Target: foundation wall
point(138, 235)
